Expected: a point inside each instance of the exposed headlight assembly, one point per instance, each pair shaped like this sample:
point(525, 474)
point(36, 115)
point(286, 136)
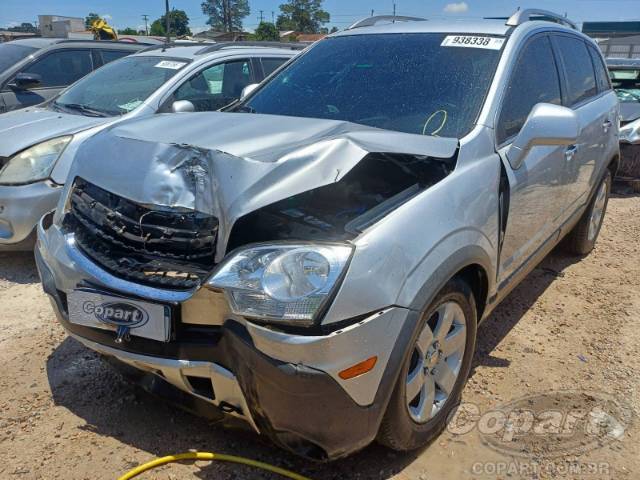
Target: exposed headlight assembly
point(285, 283)
point(630, 133)
point(35, 163)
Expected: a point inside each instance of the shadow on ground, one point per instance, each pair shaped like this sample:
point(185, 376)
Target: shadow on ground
point(83, 383)
point(17, 267)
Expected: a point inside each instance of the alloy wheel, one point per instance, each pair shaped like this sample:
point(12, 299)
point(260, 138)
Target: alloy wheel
point(436, 361)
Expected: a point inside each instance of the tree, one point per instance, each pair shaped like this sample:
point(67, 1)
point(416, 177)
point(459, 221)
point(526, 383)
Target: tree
point(266, 31)
point(128, 31)
point(178, 24)
point(226, 15)
point(89, 19)
point(24, 28)
point(333, 29)
point(305, 16)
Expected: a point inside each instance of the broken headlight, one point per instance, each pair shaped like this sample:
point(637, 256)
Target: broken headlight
point(35, 163)
point(285, 283)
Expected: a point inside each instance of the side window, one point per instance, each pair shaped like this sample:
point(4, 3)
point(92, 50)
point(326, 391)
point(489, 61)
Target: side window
point(111, 55)
point(581, 80)
point(534, 80)
point(216, 86)
point(62, 68)
point(270, 65)
point(602, 74)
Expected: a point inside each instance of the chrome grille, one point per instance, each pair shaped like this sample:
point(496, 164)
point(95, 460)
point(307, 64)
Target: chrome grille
point(171, 248)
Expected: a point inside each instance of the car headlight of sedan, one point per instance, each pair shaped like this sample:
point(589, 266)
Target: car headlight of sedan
point(287, 283)
point(35, 163)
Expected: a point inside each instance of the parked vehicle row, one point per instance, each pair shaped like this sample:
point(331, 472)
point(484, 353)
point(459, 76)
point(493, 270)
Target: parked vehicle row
point(35, 70)
point(39, 143)
point(625, 74)
point(315, 258)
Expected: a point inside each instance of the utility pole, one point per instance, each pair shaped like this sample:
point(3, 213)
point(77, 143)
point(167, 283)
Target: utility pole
point(146, 25)
point(261, 16)
point(372, 12)
point(394, 9)
point(166, 17)
point(273, 17)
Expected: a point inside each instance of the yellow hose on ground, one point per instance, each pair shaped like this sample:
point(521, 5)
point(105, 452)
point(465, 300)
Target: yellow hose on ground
point(212, 457)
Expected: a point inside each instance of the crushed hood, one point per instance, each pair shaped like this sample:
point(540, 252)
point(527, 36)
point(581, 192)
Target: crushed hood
point(21, 129)
point(230, 164)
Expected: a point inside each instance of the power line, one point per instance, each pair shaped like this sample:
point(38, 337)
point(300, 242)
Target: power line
point(146, 27)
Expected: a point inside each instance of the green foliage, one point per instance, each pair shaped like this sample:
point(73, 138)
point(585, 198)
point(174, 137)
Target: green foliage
point(266, 31)
point(89, 19)
point(305, 16)
point(226, 15)
point(128, 31)
point(24, 28)
point(178, 24)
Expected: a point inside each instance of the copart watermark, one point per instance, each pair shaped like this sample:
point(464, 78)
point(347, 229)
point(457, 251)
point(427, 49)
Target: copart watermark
point(546, 425)
point(536, 469)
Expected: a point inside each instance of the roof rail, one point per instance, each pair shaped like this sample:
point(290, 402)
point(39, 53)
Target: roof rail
point(530, 14)
point(371, 21)
point(93, 40)
point(163, 46)
point(221, 45)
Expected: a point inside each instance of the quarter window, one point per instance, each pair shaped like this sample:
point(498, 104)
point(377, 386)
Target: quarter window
point(111, 55)
point(578, 67)
point(62, 68)
point(534, 80)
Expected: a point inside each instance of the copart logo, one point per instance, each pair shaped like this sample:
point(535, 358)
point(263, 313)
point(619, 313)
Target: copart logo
point(121, 314)
point(548, 424)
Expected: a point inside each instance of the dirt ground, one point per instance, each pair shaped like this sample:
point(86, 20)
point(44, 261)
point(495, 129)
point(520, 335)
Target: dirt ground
point(573, 324)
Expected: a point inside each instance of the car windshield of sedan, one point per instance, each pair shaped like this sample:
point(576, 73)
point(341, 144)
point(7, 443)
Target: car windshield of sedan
point(120, 86)
point(11, 54)
point(421, 83)
point(626, 84)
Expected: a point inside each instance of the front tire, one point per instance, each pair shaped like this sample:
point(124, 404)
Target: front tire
point(582, 239)
point(435, 371)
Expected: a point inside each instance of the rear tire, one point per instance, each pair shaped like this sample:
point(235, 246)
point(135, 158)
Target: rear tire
point(437, 351)
point(582, 239)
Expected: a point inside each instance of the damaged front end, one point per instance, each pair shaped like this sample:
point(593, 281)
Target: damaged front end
point(245, 245)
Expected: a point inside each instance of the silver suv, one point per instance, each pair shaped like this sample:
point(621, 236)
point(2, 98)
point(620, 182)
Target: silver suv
point(316, 261)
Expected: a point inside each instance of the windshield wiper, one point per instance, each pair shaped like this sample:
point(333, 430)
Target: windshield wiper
point(81, 108)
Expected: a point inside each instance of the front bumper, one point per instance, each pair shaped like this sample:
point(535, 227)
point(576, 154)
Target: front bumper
point(21, 207)
point(285, 386)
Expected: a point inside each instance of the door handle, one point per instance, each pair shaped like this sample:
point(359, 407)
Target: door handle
point(607, 125)
point(570, 152)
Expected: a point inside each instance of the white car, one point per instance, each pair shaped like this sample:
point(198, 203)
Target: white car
point(37, 144)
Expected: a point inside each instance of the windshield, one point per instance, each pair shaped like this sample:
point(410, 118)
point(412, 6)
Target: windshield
point(11, 54)
point(404, 82)
point(627, 85)
point(120, 86)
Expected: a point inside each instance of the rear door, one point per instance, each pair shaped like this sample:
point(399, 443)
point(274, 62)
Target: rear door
point(536, 203)
point(596, 115)
point(58, 69)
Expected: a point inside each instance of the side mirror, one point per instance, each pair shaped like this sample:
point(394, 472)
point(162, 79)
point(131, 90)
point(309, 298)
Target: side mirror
point(182, 106)
point(547, 124)
point(25, 81)
point(246, 91)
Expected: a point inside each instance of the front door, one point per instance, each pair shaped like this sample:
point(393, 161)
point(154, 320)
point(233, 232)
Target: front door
point(536, 198)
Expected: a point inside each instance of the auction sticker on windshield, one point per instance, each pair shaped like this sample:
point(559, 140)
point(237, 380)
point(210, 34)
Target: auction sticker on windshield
point(470, 41)
point(173, 65)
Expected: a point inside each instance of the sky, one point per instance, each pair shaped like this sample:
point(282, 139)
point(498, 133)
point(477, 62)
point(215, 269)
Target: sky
point(128, 13)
